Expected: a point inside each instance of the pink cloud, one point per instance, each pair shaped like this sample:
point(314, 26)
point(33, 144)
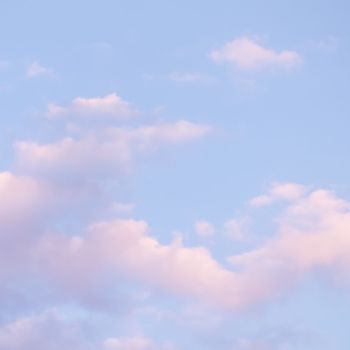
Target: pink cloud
point(106, 152)
point(110, 105)
point(277, 192)
point(247, 54)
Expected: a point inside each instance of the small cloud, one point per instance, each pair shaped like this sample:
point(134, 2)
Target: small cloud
point(279, 191)
point(186, 77)
point(110, 105)
point(204, 228)
point(36, 69)
point(247, 54)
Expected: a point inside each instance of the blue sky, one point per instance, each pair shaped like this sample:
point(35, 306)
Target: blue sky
point(174, 175)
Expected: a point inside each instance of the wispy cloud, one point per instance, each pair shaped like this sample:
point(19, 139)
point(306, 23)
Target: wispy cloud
point(107, 152)
point(204, 228)
point(278, 191)
point(111, 105)
point(35, 69)
point(187, 77)
point(247, 54)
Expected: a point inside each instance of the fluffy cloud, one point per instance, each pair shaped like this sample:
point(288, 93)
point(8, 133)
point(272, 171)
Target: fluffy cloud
point(125, 249)
point(247, 54)
point(28, 207)
point(313, 235)
point(279, 191)
point(105, 153)
point(111, 105)
point(25, 205)
point(22, 197)
point(126, 246)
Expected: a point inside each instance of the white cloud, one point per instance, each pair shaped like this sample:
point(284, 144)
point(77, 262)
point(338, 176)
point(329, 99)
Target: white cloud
point(279, 191)
point(106, 153)
point(125, 249)
point(111, 105)
point(247, 54)
point(35, 69)
point(204, 228)
point(313, 235)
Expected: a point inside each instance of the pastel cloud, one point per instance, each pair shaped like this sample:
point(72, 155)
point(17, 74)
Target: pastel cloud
point(186, 77)
point(247, 54)
point(126, 246)
point(28, 207)
point(204, 228)
point(112, 106)
point(126, 250)
point(279, 191)
point(47, 331)
point(313, 234)
point(103, 153)
point(136, 343)
point(36, 69)
point(132, 343)
point(316, 219)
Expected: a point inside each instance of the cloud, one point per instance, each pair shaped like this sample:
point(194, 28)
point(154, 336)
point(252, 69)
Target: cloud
point(105, 153)
point(51, 331)
point(120, 250)
point(135, 343)
point(125, 246)
point(247, 54)
point(204, 228)
point(35, 69)
point(47, 331)
point(313, 235)
point(278, 191)
point(28, 207)
point(186, 77)
point(112, 106)
point(236, 228)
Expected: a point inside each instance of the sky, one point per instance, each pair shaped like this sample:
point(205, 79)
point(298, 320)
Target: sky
point(174, 175)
